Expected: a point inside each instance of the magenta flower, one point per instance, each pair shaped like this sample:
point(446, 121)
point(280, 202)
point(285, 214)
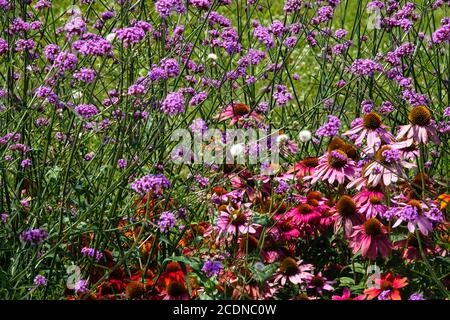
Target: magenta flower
point(370, 239)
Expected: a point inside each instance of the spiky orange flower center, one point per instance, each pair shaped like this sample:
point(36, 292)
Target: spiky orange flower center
point(176, 289)
point(375, 200)
point(314, 195)
point(372, 227)
point(289, 267)
point(135, 289)
point(240, 109)
point(311, 162)
point(415, 203)
point(372, 121)
point(239, 219)
point(351, 151)
point(420, 116)
point(313, 202)
point(336, 143)
point(304, 208)
point(345, 206)
point(173, 267)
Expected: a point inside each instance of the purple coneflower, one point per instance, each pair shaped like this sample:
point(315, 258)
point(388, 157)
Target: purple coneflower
point(421, 128)
point(293, 271)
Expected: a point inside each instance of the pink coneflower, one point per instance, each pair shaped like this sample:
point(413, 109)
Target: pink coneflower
point(363, 197)
point(232, 221)
point(347, 215)
point(306, 167)
point(421, 128)
point(320, 283)
point(373, 128)
point(370, 239)
point(326, 220)
point(293, 271)
point(334, 166)
point(388, 286)
point(387, 168)
point(238, 112)
point(347, 295)
point(374, 207)
point(304, 213)
point(286, 227)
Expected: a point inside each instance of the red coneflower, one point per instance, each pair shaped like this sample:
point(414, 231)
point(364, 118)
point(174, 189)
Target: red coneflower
point(175, 290)
point(373, 128)
point(388, 286)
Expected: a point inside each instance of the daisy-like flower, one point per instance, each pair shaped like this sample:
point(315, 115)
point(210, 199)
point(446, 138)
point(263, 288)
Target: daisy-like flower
point(374, 207)
point(334, 166)
point(175, 291)
point(365, 196)
point(347, 215)
point(286, 227)
point(233, 221)
point(387, 167)
point(306, 167)
point(304, 213)
point(293, 271)
point(373, 128)
point(418, 214)
point(238, 112)
point(421, 128)
point(347, 295)
point(370, 239)
point(320, 284)
point(389, 286)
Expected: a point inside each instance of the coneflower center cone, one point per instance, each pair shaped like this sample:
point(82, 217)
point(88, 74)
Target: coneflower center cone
point(372, 227)
point(372, 121)
point(420, 116)
point(289, 267)
point(176, 289)
point(345, 206)
point(311, 162)
point(240, 109)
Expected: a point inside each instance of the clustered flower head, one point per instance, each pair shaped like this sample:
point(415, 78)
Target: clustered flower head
point(150, 183)
point(34, 236)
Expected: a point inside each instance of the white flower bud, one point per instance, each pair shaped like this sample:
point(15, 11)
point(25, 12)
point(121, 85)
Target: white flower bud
point(304, 135)
point(110, 37)
point(212, 56)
